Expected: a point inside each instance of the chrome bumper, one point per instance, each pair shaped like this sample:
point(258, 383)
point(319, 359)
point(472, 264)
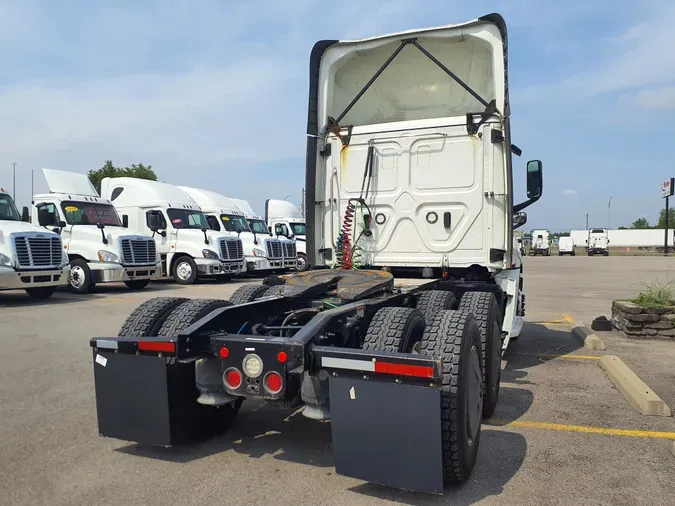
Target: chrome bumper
point(22, 279)
point(206, 267)
point(257, 264)
point(108, 272)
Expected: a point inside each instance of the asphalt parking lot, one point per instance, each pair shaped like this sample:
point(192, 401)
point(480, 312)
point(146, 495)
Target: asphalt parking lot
point(561, 434)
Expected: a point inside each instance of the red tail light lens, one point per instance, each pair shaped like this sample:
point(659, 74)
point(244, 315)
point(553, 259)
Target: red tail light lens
point(232, 378)
point(273, 382)
point(282, 357)
point(224, 352)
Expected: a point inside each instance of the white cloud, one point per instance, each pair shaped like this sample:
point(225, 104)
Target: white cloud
point(570, 192)
point(659, 98)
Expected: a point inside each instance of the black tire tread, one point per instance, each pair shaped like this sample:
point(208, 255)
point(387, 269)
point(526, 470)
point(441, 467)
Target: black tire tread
point(146, 319)
point(272, 291)
point(187, 313)
point(430, 302)
point(443, 338)
point(387, 328)
point(247, 293)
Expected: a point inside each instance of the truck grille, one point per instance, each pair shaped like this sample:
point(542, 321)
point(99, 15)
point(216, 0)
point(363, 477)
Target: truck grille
point(274, 249)
point(138, 251)
point(289, 250)
point(38, 252)
point(231, 249)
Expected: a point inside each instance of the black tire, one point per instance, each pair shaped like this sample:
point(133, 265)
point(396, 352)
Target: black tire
point(454, 336)
point(247, 293)
point(574, 253)
point(188, 313)
point(80, 280)
point(184, 270)
point(395, 329)
point(41, 292)
point(432, 301)
point(302, 262)
point(606, 253)
point(487, 313)
point(147, 318)
point(272, 291)
point(137, 284)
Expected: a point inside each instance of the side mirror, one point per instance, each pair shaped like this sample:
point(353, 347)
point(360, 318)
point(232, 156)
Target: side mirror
point(24, 214)
point(535, 183)
point(519, 220)
point(154, 222)
point(100, 226)
point(125, 221)
point(62, 224)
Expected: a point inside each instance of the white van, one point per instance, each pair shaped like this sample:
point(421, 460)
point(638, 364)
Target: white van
point(566, 246)
point(187, 246)
point(284, 219)
point(99, 245)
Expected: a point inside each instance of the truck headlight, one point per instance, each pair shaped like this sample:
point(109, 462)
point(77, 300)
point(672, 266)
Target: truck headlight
point(259, 253)
point(210, 254)
point(108, 256)
point(64, 259)
point(5, 261)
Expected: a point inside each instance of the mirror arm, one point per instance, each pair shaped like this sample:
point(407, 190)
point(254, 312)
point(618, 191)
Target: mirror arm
point(523, 205)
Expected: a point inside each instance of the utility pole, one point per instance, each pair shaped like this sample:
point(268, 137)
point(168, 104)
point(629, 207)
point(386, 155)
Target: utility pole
point(14, 164)
point(586, 221)
point(302, 204)
point(609, 215)
point(665, 246)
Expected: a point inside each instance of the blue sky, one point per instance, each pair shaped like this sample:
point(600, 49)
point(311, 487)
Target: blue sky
point(214, 93)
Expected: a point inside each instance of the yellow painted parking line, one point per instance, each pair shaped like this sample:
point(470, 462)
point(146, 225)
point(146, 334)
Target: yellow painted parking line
point(605, 431)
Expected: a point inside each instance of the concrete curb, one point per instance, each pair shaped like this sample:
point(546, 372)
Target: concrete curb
point(590, 340)
point(672, 449)
point(636, 391)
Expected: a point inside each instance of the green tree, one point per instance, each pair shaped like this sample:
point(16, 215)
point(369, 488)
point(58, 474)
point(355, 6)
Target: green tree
point(641, 223)
point(662, 218)
point(109, 170)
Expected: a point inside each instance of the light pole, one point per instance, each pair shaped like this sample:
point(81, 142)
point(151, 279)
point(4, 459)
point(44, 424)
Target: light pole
point(14, 164)
point(609, 214)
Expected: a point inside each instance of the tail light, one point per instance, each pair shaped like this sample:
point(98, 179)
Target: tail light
point(273, 382)
point(232, 378)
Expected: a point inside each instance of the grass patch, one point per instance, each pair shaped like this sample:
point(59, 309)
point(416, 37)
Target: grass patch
point(656, 294)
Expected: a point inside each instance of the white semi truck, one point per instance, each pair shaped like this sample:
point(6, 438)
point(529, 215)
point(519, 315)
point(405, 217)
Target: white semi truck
point(31, 258)
point(289, 254)
point(597, 242)
point(409, 161)
point(540, 243)
point(187, 247)
point(99, 245)
point(225, 216)
point(284, 219)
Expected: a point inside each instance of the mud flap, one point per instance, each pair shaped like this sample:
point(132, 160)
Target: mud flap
point(387, 433)
point(146, 399)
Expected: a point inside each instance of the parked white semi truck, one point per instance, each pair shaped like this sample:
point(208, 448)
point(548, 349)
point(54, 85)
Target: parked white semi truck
point(540, 243)
point(226, 217)
point(288, 248)
point(284, 219)
point(408, 161)
point(188, 248)
point(99, 245)
point(31, 258)
point(597, 242)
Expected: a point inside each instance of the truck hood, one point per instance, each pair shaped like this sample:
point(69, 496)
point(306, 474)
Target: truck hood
point(92, 234)
point(17, 227)
point(412, 86)
point(194, 235)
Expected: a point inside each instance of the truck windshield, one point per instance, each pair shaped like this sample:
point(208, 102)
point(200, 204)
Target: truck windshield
point(187, 218)
point(8, 211)
point(234, 223)
point(259, 226)
point(597, 231)
point(87, 213)
point(298, 228)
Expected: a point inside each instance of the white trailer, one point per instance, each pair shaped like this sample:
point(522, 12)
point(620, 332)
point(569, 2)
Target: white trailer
point(597, 242)
point(566, 246)
point(188, 248)
point(540, 243)
point(284, 219)
point(636, 239)
point(99, 245)
point(31, 258)
point(284, 256)
point(226, 217)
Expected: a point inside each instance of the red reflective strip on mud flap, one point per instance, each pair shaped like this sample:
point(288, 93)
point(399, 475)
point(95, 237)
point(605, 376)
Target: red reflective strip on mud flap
point(418, 371)
point(157, 346)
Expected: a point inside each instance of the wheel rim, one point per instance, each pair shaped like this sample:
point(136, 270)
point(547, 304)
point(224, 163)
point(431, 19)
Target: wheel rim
point(474, 397)
point(301, 263)
point(184, 271)
point(77, 276)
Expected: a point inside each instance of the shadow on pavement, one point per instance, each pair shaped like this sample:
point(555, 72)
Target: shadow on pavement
point(257, 431)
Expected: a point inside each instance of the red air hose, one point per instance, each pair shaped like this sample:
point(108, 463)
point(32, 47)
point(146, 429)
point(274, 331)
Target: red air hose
point(346, 236)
